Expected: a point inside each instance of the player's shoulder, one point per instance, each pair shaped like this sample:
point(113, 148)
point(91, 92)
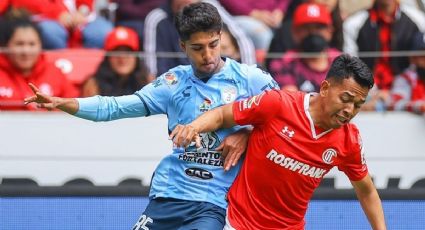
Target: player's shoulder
point(173, 77)
point(285, 98)
point(245, 70)
point(293, 97)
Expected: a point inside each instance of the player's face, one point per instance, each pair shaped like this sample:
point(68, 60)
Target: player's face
point(24, 47)
point(203, 51)
point(342, 101)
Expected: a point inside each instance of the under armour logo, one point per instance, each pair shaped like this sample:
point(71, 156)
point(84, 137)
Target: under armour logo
point(285, 131)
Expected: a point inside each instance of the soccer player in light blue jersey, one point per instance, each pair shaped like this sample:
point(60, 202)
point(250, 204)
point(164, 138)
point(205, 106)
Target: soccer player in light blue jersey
point(189, 186)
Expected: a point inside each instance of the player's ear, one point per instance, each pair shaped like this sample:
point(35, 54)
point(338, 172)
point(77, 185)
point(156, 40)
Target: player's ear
point(182, 45)
point(324, 88)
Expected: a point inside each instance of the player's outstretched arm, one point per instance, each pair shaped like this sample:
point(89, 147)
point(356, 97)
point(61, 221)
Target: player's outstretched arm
point(69, 105)
point(370, 201)
point(220, 117)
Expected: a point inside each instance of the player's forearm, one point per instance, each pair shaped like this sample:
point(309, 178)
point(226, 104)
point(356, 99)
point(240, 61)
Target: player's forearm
point(372, 207)
point(221, 117)
point(209, 121)
point(102, 108)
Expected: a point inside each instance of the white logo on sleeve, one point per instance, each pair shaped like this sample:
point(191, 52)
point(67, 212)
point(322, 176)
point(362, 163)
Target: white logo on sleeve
point(247, 103)
point(328, 156)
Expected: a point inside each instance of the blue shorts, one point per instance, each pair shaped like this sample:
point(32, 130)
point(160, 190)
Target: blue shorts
point(169, 214)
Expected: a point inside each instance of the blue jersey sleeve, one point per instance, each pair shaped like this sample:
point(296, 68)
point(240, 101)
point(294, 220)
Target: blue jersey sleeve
point(156, 95)
point(99, 108)
point(260, 80)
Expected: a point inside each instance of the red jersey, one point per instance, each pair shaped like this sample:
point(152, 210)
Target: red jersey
point(286, 159)
point(45, 76)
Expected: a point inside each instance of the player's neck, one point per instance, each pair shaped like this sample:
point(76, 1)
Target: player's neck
point(206, 77)
point(315, 109)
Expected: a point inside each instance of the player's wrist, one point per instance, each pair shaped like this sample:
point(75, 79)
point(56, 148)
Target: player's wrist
point(69, 105)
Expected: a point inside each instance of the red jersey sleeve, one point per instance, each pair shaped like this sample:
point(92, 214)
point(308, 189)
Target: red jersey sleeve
point(354, 166)
point(257, 109)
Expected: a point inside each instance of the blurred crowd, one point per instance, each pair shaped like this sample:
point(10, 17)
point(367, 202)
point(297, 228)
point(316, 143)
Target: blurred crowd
point(135, 41)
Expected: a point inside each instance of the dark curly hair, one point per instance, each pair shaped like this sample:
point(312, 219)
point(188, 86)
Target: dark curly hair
point(197, 17)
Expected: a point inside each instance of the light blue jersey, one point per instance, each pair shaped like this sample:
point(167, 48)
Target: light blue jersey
point(188, 174)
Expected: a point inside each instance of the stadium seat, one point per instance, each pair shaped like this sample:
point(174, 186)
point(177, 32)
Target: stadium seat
point(327, 183)
point(79, 182)
point(419, 184)
point(18, 181)
point(76, 64)
point(393, 182)
point(131, 182)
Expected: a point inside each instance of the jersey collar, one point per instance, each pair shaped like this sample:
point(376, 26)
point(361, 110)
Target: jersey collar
point(307, 113)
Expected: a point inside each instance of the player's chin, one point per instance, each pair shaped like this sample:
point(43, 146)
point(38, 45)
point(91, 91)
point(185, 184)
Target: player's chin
point(206, 72)
point(336, 123)
point(208, 69)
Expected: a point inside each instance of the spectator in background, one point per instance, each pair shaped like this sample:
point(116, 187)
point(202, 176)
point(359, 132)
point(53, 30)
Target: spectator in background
point(66, 23)
point(161, 36)
point(24, 63)
point(408, 90)
point(132, 13)
point(387, 26)
point(312, 33)
point(258, 18)
point(119, 74)
point(282, 40)
point(229, 45)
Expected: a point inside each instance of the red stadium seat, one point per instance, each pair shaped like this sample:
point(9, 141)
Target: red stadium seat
point(76, 64)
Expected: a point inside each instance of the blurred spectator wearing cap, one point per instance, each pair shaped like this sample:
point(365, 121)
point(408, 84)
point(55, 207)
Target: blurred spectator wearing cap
point(25, 63)
point(408, 90)
point(258, 18)
point(66, 23)
point(312, 33)
point(282, 40)
point(121, 72)
point(386, 26)
point(161, 37)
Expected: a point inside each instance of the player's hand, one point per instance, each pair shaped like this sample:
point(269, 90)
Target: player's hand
point(42, 100)
point(233, 146)
point(183, 135)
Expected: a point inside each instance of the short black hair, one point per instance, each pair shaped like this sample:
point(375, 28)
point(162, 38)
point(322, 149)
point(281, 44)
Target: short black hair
point(197, 17)
point(345, 66)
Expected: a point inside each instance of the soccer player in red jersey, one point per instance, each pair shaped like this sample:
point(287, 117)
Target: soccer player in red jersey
point(297, 138)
